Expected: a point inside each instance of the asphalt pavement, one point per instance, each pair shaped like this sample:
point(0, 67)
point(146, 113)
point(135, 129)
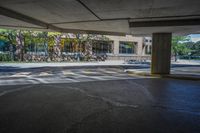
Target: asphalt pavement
point(113, 106)
point(96, 100)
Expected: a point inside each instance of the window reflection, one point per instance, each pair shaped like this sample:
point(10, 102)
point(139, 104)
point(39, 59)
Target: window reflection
point(127, 47)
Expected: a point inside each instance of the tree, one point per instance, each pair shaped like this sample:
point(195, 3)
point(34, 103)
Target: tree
point(20, 39)
point(179, 46)
point(9, 36)
point(195, 48)
point(27, 43)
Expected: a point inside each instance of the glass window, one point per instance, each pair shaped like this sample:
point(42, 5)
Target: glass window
point(68, 47)
point(148, 49)
point(100, 47)
point(127, 47)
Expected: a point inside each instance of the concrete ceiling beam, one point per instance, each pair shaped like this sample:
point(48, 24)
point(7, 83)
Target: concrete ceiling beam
point(24, 18)
point(164, 23)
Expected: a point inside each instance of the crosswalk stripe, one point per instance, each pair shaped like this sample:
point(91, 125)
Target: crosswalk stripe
point(64, 76)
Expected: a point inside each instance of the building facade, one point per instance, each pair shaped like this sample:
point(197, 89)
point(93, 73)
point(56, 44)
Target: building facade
point(147, 46)
point(118, 47)
point(129, 47)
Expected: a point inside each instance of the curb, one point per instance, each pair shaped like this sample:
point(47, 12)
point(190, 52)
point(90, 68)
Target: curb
point(183, 77)
point(173, 76)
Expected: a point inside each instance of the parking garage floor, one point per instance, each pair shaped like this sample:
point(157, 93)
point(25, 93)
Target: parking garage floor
point(98, 101)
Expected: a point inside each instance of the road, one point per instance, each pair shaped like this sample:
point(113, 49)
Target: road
point(41, 73)
point(46, 75)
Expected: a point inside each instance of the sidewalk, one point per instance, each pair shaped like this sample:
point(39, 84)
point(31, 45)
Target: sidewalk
point(54, 64)
point(75, 64)
point(187, 62)
point(69, 64)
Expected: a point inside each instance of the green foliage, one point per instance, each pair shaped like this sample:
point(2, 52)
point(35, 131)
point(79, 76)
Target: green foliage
point(183, 46)
point(179, 45)
point(5, 57)
point(195, 48)
point(8, 36)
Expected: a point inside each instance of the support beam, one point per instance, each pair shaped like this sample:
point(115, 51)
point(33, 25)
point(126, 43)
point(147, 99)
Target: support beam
point(161, 23)
point(44, 25)
point(161, 53)
point(76, 31)
point(24, 18)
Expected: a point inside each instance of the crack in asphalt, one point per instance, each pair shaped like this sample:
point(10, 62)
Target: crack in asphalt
point(106, 100)
point(119, 104)
point(144, 90)
point(163, 107)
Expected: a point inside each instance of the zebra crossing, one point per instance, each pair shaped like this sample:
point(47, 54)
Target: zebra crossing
point(44, 76)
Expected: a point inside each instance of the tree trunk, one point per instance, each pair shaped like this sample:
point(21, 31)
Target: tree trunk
point(11, 49)
point(57, 47)
point(11, 52)
point(20, 46)
point(175, 56)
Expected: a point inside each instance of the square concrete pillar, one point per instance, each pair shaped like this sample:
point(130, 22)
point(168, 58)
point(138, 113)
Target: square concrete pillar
point(139, 47)
point(161, 53)
point(116, 47)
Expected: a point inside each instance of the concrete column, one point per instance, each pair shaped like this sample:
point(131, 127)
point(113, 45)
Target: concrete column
point(139, 47)
point(116, 47)
point(161, 53)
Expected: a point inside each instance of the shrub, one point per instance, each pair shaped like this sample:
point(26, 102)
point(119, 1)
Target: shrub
point(5, 57)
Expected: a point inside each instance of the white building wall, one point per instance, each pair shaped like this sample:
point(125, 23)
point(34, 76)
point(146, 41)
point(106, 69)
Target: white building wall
point(127, 38)
point(140, 48)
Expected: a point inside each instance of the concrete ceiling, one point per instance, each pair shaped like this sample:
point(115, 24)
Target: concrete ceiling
point(138, 17)
point(10, 22)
